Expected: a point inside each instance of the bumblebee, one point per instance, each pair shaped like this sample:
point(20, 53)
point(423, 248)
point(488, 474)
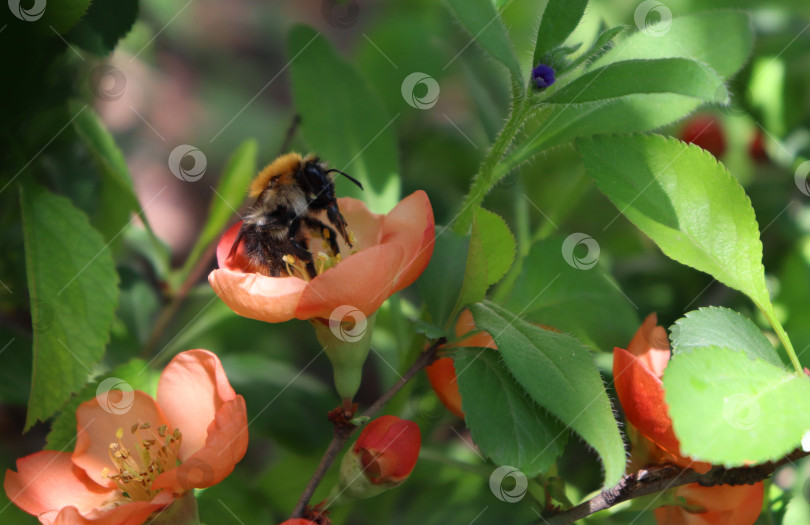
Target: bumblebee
point(292, 193)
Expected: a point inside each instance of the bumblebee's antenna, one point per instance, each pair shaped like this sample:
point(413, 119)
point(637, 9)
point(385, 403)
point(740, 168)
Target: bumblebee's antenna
point(347, 176)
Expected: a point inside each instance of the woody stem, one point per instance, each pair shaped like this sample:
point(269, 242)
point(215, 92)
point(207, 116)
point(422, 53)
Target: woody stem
point(344, 430)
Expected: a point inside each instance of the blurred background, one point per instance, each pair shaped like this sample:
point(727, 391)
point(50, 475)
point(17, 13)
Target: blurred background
point(209, 75)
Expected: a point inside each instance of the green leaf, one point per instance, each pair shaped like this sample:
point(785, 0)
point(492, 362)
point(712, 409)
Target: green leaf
point(61, 15)
point(720, 39)
point(118, 200)
point(134, 375)
point(430, 331)
point(73, 289)
point(559, 374)
point(730, 410)
point(226, 198)
point(686, 202)
point(596, 49)
point(440, 283)
point(667, 75)
point(485, 26)
point(345, 123)
point(585, 303)
point(508, 426)
point(563, 123)
point(106, 22)
point(498, 243)
point(722, 327)
point(559, 20)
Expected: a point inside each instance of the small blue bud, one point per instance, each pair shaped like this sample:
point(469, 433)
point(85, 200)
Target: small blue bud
point(543, 76)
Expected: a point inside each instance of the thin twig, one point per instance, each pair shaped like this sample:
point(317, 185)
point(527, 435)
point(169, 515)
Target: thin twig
point(664, 477)
point(342, 432)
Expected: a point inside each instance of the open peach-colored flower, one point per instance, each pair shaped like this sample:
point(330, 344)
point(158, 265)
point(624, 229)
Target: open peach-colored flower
point(135, 456)
point(391, 252)
point(637, 374)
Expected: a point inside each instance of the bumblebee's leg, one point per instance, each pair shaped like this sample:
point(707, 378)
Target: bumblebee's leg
point(235, 245)
point(302, 254)
point(273, 259)
point(324, 232)
point(336, 218)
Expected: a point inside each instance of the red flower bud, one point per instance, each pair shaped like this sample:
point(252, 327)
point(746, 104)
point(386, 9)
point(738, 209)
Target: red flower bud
point(388, 448)
point(705, 131)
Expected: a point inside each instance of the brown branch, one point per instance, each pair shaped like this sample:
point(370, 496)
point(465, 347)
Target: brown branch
point(344, 429)
point(664, 477)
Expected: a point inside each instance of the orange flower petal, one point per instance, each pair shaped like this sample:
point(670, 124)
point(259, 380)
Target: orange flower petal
point(641, 394)
point(366, 226)
point(651, 346)
point(256, 296)
point(724, 504)
point(225, 446)
point(49, 480)
point(466, 324)
point(133, 513)
point(442, 376)
point(410, 224)
point(192, 389)
point(363, 280)
point(239, 262)
point(97, 426)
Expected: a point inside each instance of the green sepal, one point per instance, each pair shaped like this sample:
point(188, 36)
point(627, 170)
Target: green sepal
point(346, 345)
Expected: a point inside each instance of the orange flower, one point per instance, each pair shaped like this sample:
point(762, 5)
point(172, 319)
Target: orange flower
point(392, 251)
point(637, 374)
point(442, 373)
point(388, 449)
point(125, 464)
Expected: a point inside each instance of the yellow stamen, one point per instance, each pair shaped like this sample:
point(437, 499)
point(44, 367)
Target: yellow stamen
point(352, 238)
point(155, 453)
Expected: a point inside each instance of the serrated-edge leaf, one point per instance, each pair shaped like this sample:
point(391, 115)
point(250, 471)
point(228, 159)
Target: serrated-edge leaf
point(572, 391)
point(73, 289)
point(716, 326)
point(664, 180)
point(666, 75)
point(730, 410)
point(529, 439)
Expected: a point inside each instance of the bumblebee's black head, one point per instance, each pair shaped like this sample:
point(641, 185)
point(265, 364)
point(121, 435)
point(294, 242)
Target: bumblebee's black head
point(318, 182)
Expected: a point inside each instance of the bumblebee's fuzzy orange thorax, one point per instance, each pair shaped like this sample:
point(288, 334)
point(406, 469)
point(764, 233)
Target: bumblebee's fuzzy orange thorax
point(285, 164)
